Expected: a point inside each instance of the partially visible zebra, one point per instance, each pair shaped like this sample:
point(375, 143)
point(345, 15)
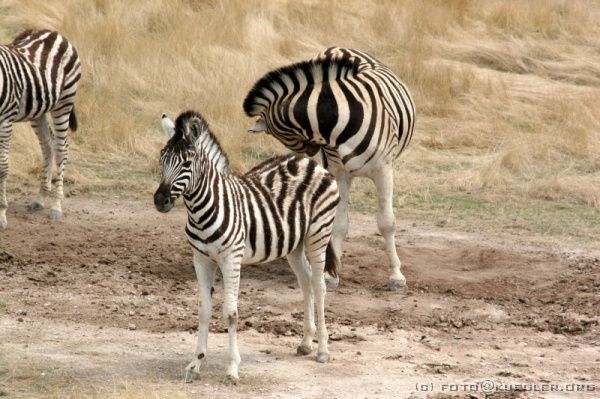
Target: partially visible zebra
point(353, 108)
point(283, 207)
point(39, 72)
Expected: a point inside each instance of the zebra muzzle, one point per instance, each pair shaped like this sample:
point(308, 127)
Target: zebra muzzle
point(162, 199)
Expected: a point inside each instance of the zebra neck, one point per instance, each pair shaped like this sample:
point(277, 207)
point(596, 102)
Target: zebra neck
point(209, 192)
point(213, 152)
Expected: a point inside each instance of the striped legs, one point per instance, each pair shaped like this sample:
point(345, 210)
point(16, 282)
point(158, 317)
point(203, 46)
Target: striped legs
point(45, 137)
point(205, 273)
point(316, 258)
point(299, 265)
point(386, 222)
point(230, 269)
point(5, 136)
point(60, 117)
point(315, 245)
point(341, 222)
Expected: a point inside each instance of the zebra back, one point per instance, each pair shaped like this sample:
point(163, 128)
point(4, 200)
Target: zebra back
point(343, 100)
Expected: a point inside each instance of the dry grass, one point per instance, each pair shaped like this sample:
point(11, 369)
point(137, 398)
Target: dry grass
point(506, 91)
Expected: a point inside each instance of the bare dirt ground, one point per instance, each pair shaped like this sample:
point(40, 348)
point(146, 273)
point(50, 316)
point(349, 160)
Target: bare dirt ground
point(103, 304)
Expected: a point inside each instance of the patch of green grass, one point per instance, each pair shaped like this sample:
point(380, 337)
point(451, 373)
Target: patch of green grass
point(3, 304)
point(474, 212)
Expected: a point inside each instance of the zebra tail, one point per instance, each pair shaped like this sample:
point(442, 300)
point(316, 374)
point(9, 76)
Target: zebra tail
point(73, 120)
point(331, 261)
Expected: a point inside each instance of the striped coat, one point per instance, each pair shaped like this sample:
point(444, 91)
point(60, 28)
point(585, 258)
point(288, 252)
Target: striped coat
point(355, 110)
point(283, 207)
point(39, 72)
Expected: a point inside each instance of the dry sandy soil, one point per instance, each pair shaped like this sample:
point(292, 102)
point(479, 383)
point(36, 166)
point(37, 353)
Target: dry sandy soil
point(103, 304)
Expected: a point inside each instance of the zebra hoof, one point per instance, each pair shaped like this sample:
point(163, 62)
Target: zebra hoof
point(190, 376)
point(192, 371)
point(322, 357)
point(331, 284)
point(397, 285)
point(303, 350)
point(231, 380)
point(36, 206)
point(3, 224)
point(54, 214)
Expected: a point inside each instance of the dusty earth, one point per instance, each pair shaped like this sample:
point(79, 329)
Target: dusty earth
point(103, 304)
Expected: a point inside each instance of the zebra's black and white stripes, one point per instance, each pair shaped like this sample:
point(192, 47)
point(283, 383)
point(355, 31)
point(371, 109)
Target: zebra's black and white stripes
point(283, 207)
point(39, 72)
point(354, 109)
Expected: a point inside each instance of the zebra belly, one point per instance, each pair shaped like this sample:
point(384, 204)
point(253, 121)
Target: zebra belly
point(219, 254)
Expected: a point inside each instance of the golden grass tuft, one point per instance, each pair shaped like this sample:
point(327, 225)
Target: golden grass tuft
point(506, 91)
point(550, 19)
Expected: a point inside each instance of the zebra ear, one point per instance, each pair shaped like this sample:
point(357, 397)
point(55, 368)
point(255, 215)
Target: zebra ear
point(259, 127)
point(168, 126)
point(192, 132)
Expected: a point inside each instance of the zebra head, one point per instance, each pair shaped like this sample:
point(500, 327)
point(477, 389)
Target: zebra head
point(176, 164)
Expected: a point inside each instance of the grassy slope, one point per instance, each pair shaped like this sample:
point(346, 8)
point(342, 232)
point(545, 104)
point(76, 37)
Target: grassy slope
point(506, 93)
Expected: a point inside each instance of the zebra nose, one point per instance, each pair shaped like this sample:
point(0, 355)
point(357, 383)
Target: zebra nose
point(162, 199)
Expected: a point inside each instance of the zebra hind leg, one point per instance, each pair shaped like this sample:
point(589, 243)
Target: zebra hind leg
point(315, 246)
point(386, 222)
point(60, 118)
point(44, 134)
point(230, 270)
point(5, 136)
point(340, 226)
point(298, 263)
point(317, 263)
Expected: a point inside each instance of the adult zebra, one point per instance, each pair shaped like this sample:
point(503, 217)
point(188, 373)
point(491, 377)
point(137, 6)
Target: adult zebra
point(283, 207)
point(39, 72)
point(353, 108)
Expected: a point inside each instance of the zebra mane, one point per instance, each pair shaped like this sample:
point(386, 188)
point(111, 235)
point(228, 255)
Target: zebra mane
point(28, 34)
point(317, 70)
point(191, 125)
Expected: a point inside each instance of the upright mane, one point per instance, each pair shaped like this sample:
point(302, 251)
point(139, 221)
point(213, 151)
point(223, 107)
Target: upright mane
point(314, 71)
point(192, 124)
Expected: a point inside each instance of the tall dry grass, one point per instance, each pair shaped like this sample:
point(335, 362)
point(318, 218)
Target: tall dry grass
point(506, 91)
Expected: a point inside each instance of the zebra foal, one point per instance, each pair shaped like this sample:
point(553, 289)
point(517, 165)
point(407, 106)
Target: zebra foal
point(39, 72)
point(283, 207)
point(357, 112)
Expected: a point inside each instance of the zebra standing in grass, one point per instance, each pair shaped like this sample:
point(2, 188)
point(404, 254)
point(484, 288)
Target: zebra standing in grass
point(283, 207)
point(353, 108)
point(39, 72)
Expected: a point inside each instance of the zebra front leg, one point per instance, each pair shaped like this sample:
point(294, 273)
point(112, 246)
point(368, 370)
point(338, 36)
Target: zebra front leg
point(317, 263)
point(230, 269)
point(205, 273)
point(340, 224)
point(5, 136)
point(44, 134)
point(297, 261)
point(386, 222)
point(60, 118)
